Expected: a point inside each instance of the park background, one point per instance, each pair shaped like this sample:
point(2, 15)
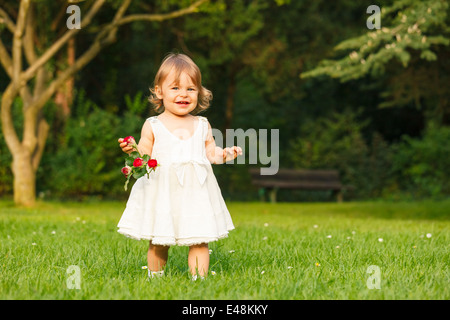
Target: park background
point(370, 103)
point(383, 123)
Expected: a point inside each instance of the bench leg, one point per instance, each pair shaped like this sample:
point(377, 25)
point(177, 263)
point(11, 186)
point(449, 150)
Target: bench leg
point(339, 196)
point(262, 194)
point(273, 195)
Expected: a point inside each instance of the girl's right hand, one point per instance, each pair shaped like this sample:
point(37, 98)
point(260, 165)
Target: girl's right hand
point(125, 147)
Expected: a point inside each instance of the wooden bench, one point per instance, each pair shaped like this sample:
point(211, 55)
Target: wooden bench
point(297, 179)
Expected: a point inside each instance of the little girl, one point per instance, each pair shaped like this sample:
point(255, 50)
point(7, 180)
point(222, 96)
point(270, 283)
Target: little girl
point(180, 203)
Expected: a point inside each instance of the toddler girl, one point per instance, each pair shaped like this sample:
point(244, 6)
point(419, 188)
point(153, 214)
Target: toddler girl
point(180, 203)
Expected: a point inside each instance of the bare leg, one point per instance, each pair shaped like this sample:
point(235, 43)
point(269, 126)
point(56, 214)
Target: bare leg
point(157, 257)
point(198, 259)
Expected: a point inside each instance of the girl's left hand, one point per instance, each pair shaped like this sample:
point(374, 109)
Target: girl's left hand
point(231, 153)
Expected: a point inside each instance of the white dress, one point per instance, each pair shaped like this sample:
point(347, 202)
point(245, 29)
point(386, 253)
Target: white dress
point(181, 203)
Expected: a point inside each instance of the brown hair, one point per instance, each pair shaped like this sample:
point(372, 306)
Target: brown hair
point(180, 63)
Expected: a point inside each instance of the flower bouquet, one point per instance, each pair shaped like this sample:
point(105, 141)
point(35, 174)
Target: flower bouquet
point(137, 165)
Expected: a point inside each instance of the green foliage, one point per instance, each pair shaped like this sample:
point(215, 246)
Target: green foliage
point(89, 160)
point(407, 25)
point(137, 105)
point(83, 164)
point(336, 142)
point(422, 164)
point(226, 31)
point(407, 58)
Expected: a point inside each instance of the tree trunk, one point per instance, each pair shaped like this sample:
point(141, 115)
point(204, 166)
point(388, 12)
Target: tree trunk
point(24, 179)
point(26, 154)
point(234, 68)
point(229, 104)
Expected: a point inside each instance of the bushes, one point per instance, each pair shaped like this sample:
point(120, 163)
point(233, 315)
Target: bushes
point(423, 165)
point(84, 164)
point(336, 142)
point(88, 160)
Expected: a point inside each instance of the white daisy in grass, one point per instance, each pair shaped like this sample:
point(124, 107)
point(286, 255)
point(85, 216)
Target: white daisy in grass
point(380, 239)
point(264, 238)
point(266, 224)
point(231, 251)
point(213, 272)
point(329, 236)
point(428, 235)
point(144, 267)
point(317, 264)
point(315, 226)
point(262, 272)
point(210, 251)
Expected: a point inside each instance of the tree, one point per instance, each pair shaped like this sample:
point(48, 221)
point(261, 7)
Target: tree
point(32, 80)
point(409, 53)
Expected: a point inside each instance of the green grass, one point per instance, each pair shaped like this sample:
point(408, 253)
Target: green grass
point(274, 252)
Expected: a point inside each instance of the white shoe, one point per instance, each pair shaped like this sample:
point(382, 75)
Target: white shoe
point(155, 274)
point(195, 277)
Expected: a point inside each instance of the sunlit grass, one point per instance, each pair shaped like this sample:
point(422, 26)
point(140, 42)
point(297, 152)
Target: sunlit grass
point(278, 251)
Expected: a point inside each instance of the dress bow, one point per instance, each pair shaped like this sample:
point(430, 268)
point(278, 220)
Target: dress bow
point(199, 168)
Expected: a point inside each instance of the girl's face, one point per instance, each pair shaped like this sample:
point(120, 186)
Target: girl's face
point(179, 97)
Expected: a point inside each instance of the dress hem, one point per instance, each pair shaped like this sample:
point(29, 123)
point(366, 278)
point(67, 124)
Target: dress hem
point(169, 241)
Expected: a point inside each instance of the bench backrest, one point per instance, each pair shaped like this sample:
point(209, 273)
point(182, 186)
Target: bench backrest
point(295, 175)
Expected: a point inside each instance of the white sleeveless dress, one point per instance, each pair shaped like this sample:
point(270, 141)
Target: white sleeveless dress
point(181, 203)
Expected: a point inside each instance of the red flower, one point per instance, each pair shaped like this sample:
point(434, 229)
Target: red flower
point(126, 170)
point(138, 162)
point(152, 163)
point(129, 140)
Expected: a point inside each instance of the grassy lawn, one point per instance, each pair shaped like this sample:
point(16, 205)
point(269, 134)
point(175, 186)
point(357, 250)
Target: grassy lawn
point(278, 251)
